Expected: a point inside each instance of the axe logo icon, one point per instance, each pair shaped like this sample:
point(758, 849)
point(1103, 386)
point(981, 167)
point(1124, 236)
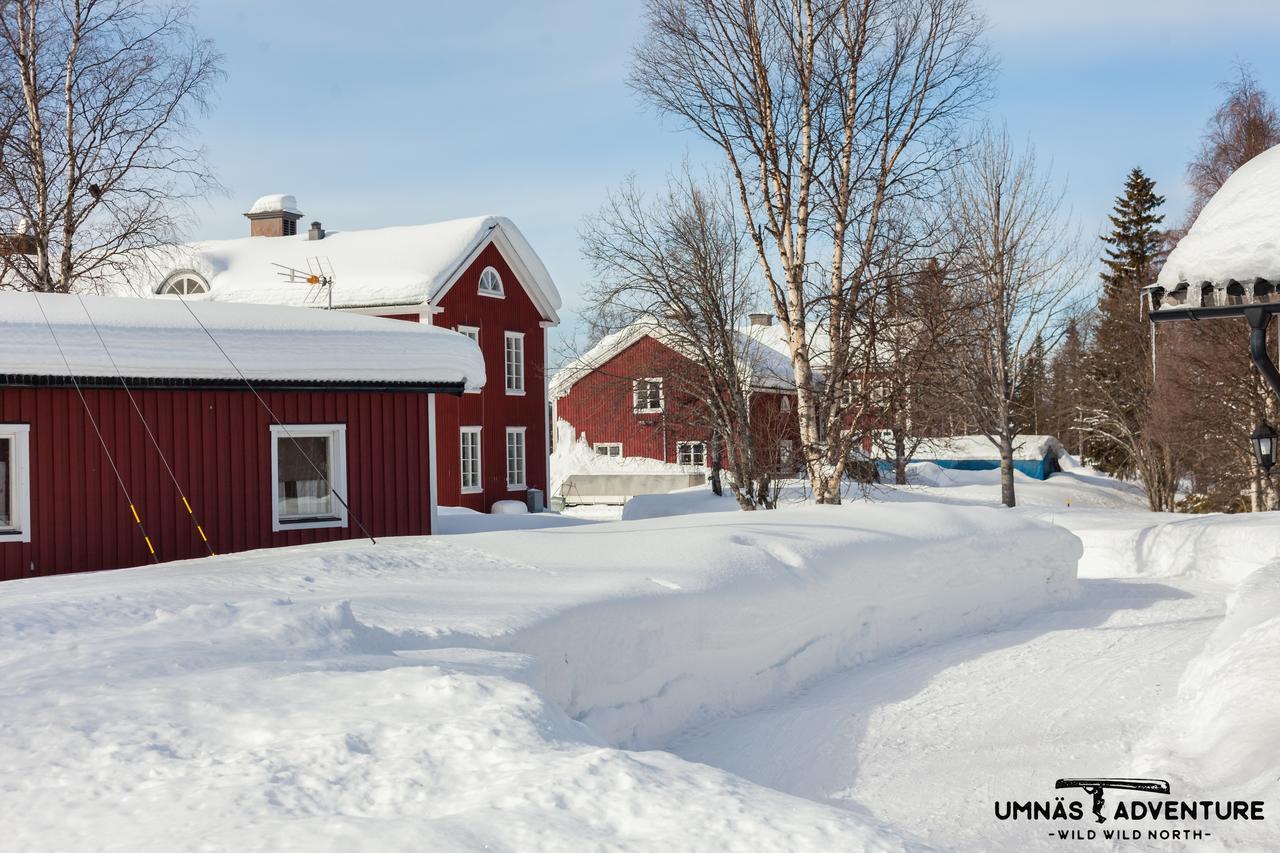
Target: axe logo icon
point(1094, 788)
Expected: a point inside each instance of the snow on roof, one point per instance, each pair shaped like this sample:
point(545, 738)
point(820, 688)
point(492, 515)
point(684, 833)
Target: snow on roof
point(1025, 447)
point(1237, 235)
point(764, 354)
point(276, 202)
point(378, 267)
point(161, 340)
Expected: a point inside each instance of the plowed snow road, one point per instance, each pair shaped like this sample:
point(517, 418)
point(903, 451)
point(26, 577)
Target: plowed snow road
point(929, 740)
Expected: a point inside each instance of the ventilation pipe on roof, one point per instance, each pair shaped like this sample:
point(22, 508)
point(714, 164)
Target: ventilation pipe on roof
point(315, 232)
point(760, 318)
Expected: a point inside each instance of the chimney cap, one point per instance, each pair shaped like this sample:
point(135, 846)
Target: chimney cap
point(276, 203)
point(760, 318)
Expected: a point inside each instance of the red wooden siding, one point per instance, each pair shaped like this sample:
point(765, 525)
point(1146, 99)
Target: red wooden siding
point(600, 406)
point(493, 409)
point(218, 443)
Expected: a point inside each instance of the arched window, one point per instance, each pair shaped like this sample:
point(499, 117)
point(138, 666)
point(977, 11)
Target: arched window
point(183, 284)
point(490, 282)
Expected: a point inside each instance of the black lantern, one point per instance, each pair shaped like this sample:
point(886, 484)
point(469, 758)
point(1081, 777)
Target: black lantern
point(1264, 446)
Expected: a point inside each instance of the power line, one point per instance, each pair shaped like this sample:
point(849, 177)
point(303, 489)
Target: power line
point(278, 422)
point(94, 421)
point(154, 443)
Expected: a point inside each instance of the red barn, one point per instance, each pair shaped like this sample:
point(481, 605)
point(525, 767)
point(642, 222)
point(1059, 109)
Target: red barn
point(478, 276)
point(626, 397)
point(135, 432)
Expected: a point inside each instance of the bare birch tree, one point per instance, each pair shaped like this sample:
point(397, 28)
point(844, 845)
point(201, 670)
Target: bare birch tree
point(95, 105)
point(682, 264)
point(1019, 267)
point(828, 114)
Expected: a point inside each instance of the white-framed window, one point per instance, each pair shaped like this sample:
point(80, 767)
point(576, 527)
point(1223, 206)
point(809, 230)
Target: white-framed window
point(15, 483)
point(515, 458)
point(647, 395)
point(786, 451)
point(469, 442)
point(513, 349)
point(185, 283)
point(612, 449)
point(490, 282)
point(692, 453)
point(472, 332)
point(308, 474)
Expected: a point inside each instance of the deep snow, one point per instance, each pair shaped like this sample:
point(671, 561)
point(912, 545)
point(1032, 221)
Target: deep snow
point(864, 677)
point(472, 690)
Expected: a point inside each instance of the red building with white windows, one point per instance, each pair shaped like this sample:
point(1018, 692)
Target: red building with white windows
point(136, 432)
point(478, 276)
point(626, 396)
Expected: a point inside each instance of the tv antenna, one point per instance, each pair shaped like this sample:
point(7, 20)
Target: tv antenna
point(319, 274)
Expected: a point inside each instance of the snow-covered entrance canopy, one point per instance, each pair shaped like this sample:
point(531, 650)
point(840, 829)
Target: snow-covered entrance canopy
point(1234, 245)
point(373, 268)
point(160, 340)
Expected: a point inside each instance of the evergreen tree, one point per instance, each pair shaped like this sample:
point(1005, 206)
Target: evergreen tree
point(1031, 401)
point(1119, 381)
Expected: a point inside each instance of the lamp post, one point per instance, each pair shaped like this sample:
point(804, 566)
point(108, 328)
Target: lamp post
point(1217, 303)
point(1264, 446)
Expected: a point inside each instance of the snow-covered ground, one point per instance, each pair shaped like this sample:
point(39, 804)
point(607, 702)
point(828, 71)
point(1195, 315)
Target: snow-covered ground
point(865, 677)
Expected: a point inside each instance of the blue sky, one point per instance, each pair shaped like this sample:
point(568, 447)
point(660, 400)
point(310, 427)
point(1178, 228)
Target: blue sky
point(394, 112)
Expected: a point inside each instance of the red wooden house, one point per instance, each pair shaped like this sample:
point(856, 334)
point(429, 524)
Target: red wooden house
point(478, 276)
point(224, 428)
point(627, 397)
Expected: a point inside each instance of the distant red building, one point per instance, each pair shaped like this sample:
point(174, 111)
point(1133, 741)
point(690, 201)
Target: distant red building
point(273, 427)
point(478, 276)
point(627, 396)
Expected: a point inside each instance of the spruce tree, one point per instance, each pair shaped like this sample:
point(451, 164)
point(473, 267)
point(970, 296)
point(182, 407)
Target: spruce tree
point(1119, 382)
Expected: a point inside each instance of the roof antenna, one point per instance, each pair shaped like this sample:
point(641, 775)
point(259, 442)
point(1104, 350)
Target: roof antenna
point(319, 274)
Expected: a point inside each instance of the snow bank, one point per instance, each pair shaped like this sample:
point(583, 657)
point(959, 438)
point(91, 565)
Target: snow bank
point(697, 500)
point(471, 691)
point(454, 520)
point(743, 607)
point(161, 339)
point(1221, 734)
point(979, 447)
point(574, 455)
point(1221, 548)
point(1237, 235)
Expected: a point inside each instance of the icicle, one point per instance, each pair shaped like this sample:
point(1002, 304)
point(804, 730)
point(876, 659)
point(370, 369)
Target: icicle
point(1153, 350)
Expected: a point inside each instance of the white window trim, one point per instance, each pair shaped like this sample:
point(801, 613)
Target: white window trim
point(469, 331)
point(500, 293)
point(162, 290)
point(20, 480)
point(680, 444)
point(524, 458)
point(337, 435)
point(514, 336)
point(476, 489)
point(635, 395)
point(599, 444)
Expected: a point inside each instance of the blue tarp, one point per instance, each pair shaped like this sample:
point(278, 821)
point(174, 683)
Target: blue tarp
point(1040, 469)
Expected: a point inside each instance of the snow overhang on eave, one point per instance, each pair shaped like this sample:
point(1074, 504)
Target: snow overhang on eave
point(227, 384)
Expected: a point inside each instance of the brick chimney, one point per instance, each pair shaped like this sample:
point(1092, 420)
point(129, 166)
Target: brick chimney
point(760, 318)
point(274, 216)
point(20, 242)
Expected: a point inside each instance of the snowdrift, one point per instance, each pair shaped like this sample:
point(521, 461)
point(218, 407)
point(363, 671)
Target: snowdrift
point(471, 691)
point(1220, 548)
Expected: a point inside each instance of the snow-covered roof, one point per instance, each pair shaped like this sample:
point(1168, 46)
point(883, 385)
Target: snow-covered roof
point(378, 267)
point(276, 202)
point(763, 352)
point(161, 339)
point(1237, 235)
point(1025, 447)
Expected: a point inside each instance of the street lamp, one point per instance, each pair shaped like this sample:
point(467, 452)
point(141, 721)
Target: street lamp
point(1264, 446)
point(1257, 312)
